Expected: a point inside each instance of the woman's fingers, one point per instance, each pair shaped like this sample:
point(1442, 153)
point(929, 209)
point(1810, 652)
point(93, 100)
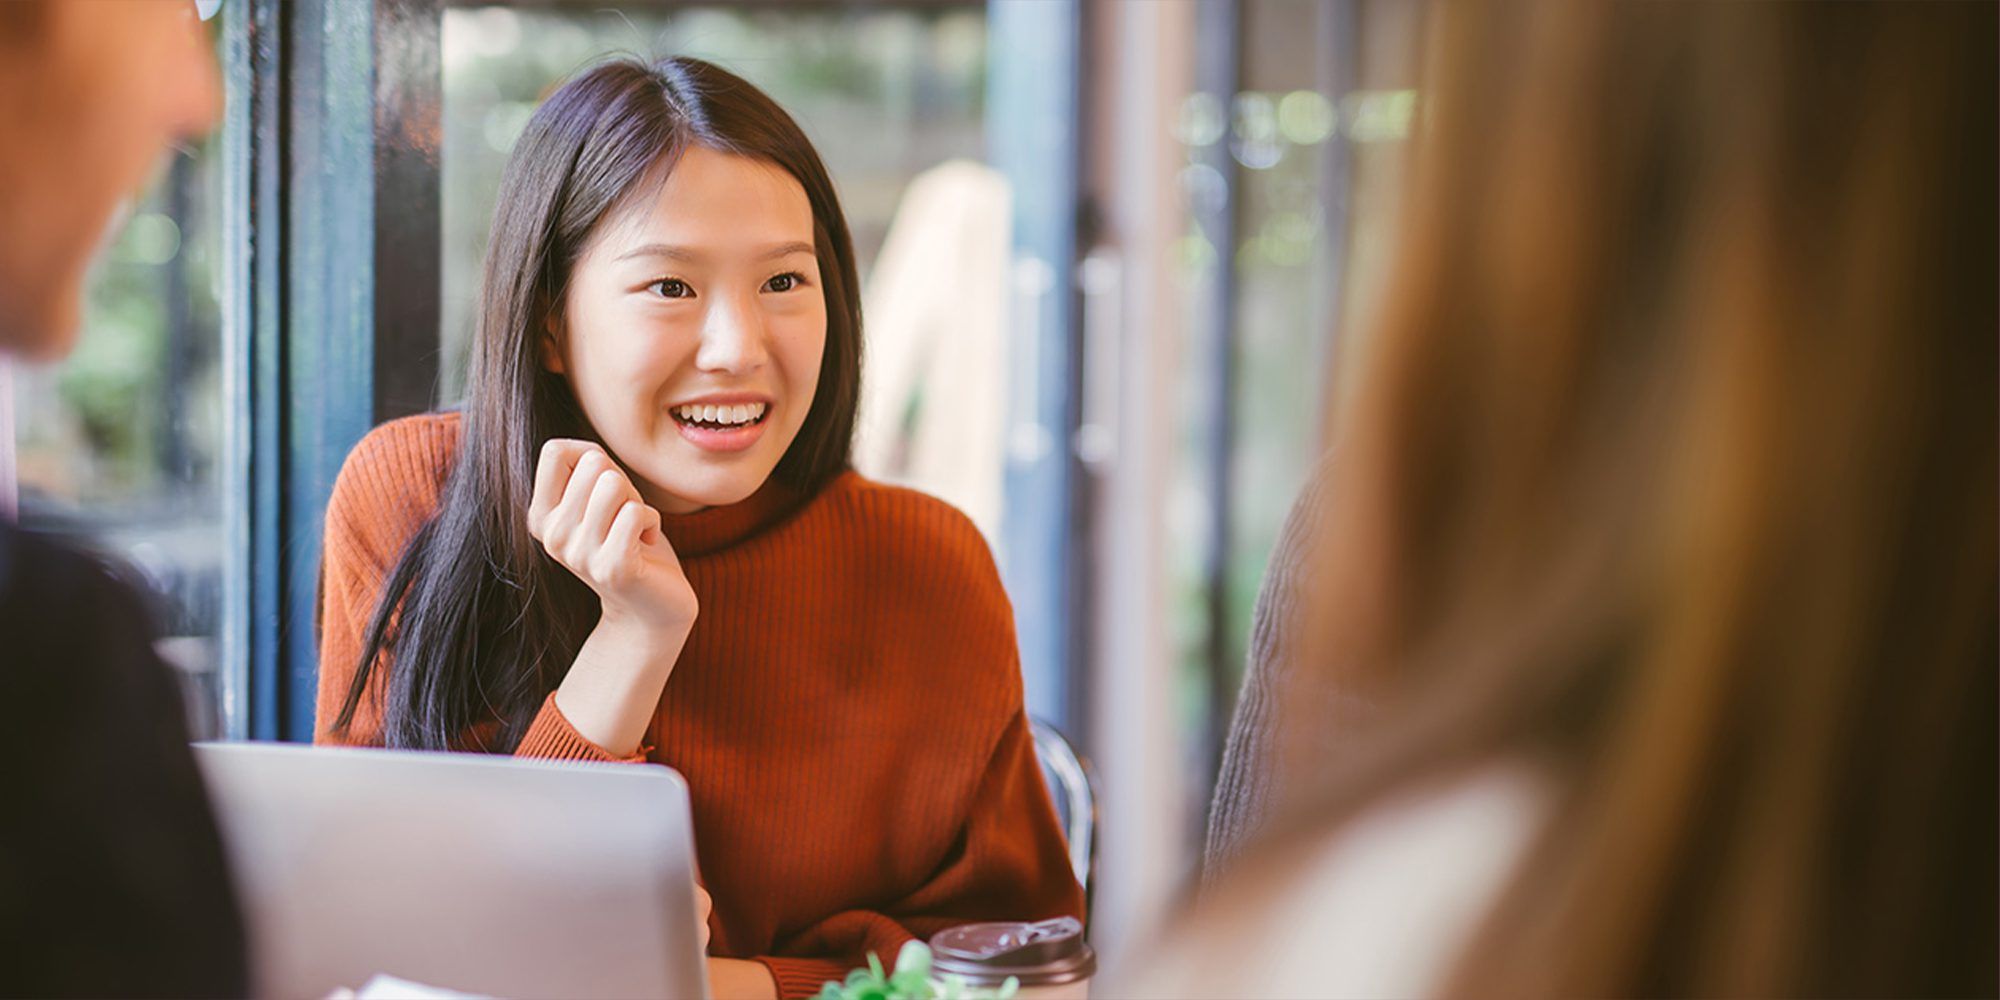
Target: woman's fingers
point(653, 534)
point(622, 553)
point(552, 473)
point(703, 907)
point(627, 530)
point(562, 523)
point(556, 476)
point(607, 494)
point(590, 519)
point(653, 537)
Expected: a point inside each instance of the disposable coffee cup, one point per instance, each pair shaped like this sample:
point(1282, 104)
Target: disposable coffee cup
point(1050, 959)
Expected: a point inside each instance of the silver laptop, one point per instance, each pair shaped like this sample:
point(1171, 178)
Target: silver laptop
point(494, 876)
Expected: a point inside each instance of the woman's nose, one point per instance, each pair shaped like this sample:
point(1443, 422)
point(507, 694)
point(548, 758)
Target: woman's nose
point(732, 338)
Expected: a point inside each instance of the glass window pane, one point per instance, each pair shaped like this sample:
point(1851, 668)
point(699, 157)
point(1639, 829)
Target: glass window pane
point(1308, 258)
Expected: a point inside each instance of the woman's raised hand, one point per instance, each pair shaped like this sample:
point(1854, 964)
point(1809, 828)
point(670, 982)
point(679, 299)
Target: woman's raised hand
point(591, 519)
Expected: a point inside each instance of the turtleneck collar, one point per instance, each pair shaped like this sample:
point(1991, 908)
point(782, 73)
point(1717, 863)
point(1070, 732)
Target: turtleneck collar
point(713, 529)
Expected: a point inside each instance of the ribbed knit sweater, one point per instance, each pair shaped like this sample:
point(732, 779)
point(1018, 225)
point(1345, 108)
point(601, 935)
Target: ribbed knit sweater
point(847, 710)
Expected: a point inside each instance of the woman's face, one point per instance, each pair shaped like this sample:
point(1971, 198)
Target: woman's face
point(693, 329)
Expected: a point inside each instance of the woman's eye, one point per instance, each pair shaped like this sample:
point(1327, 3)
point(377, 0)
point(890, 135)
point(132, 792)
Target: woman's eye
point(784, 282)
point(672, 288)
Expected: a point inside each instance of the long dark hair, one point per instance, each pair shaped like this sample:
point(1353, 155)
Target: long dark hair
point(480, 621)
point(1674, 476)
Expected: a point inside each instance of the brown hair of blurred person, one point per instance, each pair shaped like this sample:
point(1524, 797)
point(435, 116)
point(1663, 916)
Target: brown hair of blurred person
point(1673, 475)
point(91, 93)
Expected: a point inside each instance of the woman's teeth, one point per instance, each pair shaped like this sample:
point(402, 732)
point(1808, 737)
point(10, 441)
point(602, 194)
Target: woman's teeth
point(721, 416)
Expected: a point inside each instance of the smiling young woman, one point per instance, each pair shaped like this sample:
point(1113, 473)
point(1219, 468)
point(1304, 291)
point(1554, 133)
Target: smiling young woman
point(641, 542)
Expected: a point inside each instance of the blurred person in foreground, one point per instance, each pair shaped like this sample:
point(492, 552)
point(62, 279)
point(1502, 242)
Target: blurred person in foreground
point(112, 876)
point(1661, 543)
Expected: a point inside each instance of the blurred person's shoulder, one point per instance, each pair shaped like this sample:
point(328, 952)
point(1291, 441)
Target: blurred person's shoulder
point(77, 641)
point(114, 815)
point(51, 592)
point(1380, 907)
point(391, 483)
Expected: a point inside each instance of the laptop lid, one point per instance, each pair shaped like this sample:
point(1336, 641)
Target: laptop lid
point(493, 875)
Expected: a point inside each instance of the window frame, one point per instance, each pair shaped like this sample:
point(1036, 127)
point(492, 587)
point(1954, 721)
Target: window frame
point(330, 260)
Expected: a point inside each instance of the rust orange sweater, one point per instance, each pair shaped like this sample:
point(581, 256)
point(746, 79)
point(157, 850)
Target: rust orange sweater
point(847, 710)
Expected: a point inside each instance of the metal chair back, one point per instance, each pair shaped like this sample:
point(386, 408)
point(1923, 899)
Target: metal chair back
point(1074, 790)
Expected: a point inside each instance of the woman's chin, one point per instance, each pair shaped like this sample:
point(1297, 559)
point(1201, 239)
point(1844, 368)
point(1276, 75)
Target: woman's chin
point(687, 494)
point(678, 478)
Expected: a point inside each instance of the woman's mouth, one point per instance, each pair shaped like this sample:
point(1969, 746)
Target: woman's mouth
point(721, 426)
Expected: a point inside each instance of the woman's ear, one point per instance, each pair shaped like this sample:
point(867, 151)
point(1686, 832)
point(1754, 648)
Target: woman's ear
point(551, 344)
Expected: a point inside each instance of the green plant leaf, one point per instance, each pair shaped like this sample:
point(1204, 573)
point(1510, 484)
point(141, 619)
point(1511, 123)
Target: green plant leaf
point(910, 984)
point(915, 957)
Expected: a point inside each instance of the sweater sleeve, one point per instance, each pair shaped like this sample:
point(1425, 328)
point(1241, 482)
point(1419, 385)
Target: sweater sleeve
point(369, 519)
point(1009, 863)
point(1272, 692)
point(387, 489)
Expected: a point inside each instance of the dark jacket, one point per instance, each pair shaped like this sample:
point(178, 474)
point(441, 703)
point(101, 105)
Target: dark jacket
point(112, 875)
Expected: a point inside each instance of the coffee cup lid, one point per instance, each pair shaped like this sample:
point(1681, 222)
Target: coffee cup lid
point(1040, 953)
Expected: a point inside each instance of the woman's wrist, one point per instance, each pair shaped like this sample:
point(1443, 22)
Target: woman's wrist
point(613, 688)
point(641, 639)
point(740, 979)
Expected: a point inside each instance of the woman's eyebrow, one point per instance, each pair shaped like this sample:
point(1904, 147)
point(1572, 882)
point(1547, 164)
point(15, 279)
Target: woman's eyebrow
point(689, 254)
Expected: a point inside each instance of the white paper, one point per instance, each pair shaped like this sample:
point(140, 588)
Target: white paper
point(387, 987)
